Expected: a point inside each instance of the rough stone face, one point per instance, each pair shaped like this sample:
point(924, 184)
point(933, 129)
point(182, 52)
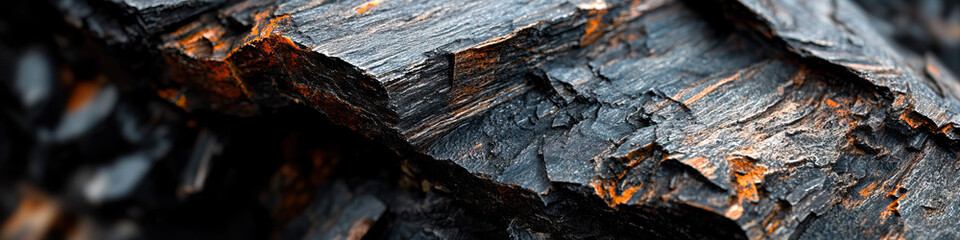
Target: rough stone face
point(743, 119)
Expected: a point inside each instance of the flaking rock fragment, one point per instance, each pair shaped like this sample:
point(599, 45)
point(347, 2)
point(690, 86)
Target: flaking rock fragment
point(206, 147)
point(131, 20)
point(33, 88)
point(89, 105)
point(118, 179)
point(33, 81)
point(336, 214)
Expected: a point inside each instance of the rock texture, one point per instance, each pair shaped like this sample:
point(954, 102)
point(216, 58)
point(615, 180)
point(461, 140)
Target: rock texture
point(571, 119)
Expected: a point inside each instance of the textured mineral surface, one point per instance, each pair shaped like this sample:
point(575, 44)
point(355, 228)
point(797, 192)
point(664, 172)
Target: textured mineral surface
point(745, 119)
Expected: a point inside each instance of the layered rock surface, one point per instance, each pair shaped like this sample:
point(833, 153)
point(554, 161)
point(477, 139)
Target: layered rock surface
point(748, 119)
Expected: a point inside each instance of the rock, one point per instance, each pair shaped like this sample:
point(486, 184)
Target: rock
point(556, 119)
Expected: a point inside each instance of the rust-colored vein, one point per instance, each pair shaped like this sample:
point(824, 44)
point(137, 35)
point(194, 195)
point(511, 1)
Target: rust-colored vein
point(362, 8)
point(911, 120)
point(597, 10)
point(932, 69)
point(608, 191)
point(626, 195)
point(865, 192)
point(893, 208)
point(832, 103)
point(746, 174)
point(870, 67)
point(710, 88)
